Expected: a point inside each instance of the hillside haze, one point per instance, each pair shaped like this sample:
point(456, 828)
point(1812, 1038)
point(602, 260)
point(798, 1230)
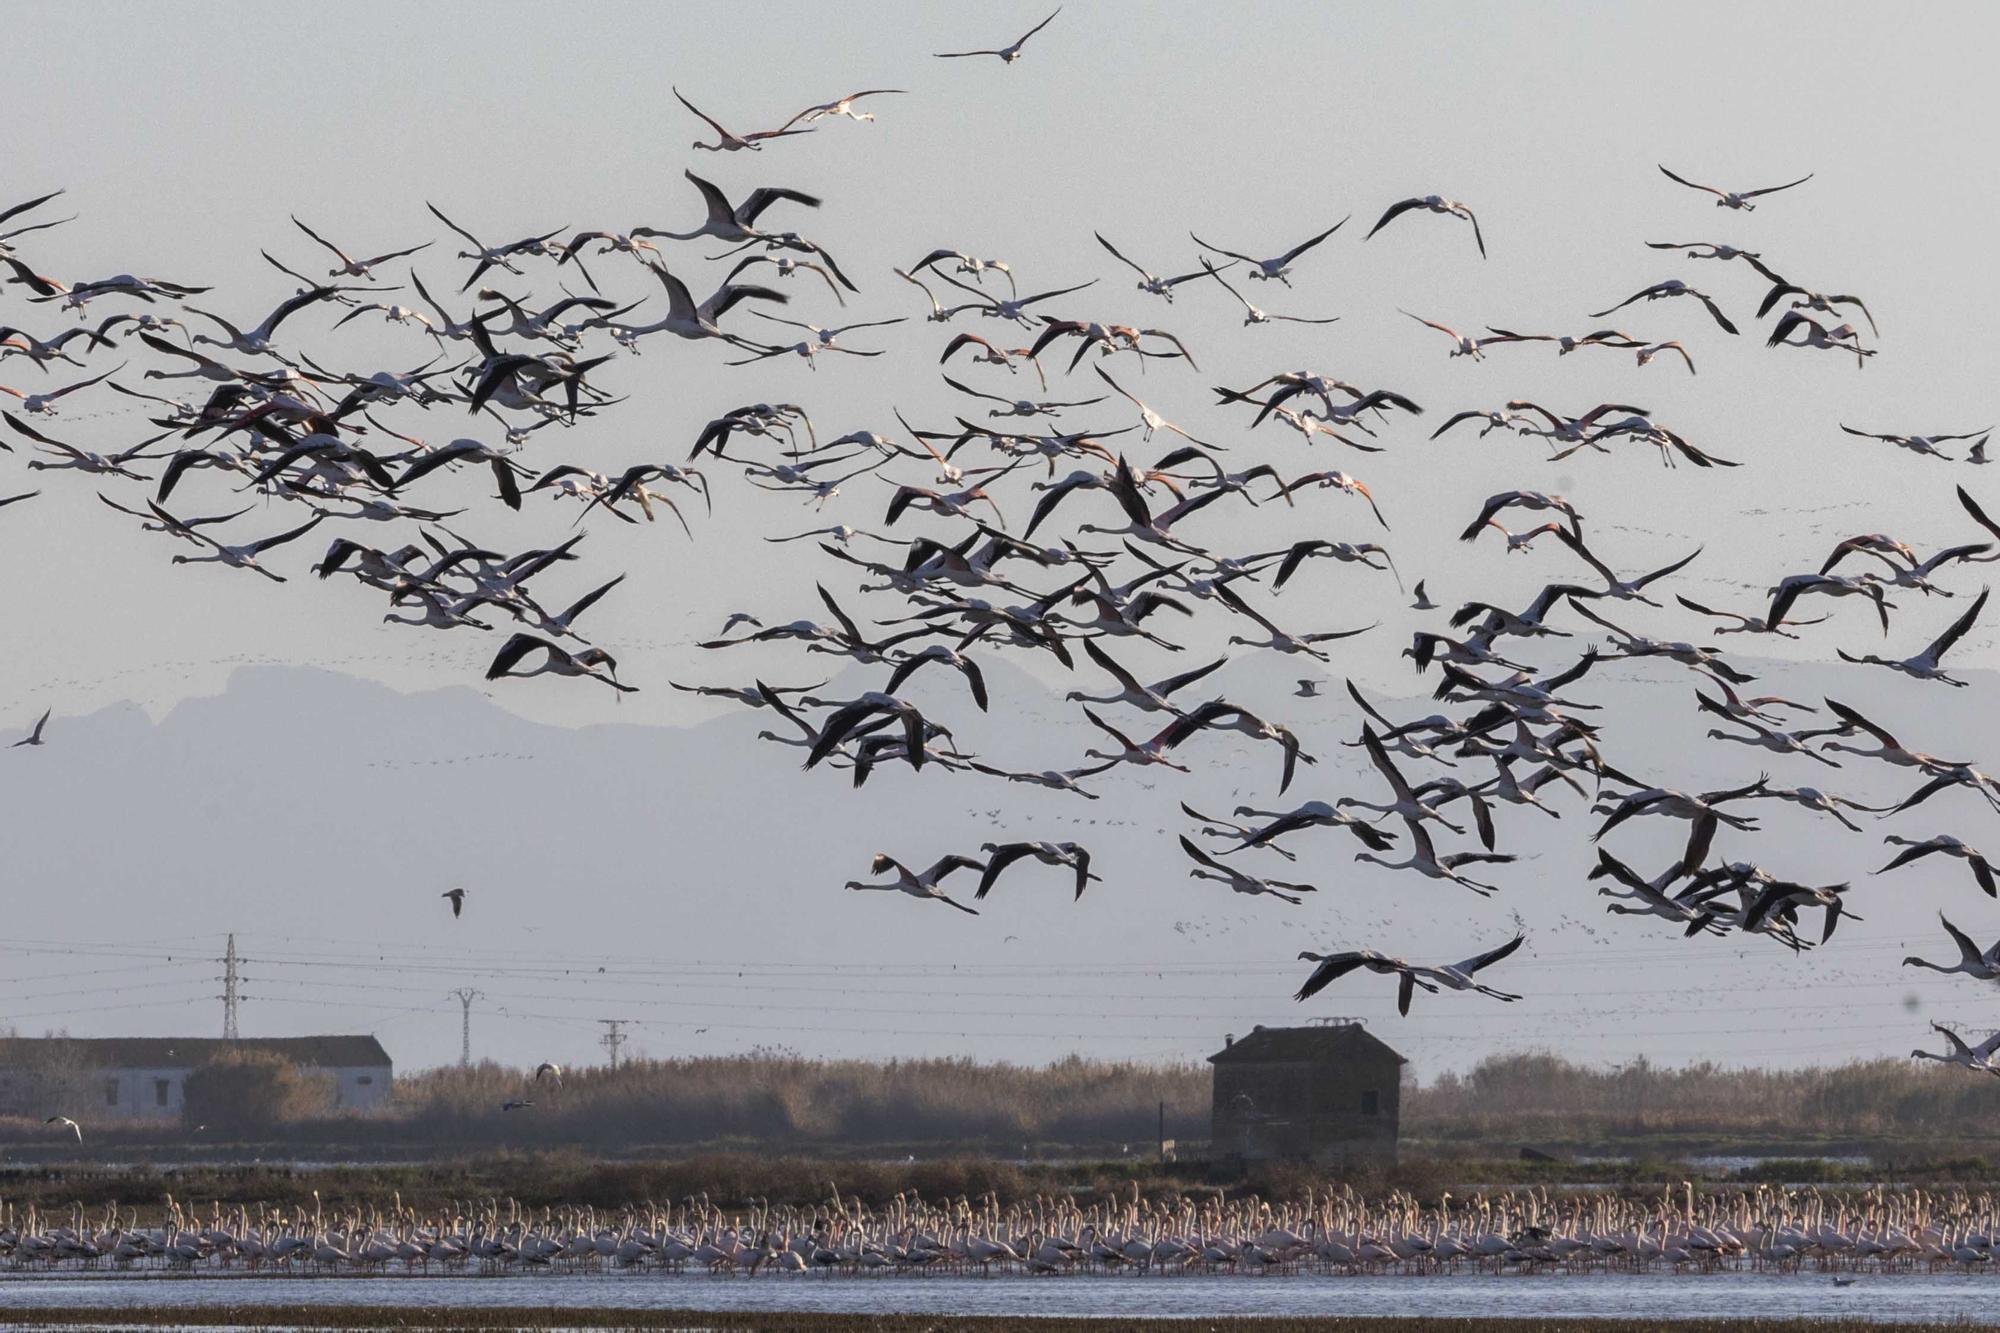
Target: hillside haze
point(701, 871)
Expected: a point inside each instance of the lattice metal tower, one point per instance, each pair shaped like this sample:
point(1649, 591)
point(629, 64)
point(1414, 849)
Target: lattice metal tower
point(613, 1039)
point(465, 998)
point(230, 993)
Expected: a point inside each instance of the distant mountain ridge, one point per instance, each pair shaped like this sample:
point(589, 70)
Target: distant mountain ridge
point(308, 806)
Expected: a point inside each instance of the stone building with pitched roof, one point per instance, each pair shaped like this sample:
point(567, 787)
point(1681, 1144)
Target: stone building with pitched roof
point(1325, 1093)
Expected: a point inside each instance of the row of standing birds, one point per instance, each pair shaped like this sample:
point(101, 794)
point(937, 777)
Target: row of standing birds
point(1880, 1231)
point(288, 428)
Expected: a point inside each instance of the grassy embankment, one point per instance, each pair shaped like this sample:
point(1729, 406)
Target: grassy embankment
point(732, 1180)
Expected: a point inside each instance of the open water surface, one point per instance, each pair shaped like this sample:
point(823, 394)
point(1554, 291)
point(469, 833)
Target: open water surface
point(1901, 1296)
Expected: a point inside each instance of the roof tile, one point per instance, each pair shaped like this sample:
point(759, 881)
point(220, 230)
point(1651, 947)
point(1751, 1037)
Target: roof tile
point(186, 1052)
point(1334, 1041)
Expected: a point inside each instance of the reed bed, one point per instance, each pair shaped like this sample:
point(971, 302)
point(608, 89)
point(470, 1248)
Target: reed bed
point(1531, 1097)
point(1520, 1097)
point(830, 1108)
point(853, 1107)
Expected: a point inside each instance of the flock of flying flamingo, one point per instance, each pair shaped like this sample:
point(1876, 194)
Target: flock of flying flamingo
point(1002, 527)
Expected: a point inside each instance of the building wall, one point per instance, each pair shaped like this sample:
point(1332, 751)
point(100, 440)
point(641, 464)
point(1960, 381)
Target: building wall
point(142, 1094)
point(1318, 1110)
point(362, 1088)
point(1357, 1107)
point(1262, 1109)
point(160, 1094)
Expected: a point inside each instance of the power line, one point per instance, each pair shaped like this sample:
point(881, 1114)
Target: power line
point(713, 995)
point(716, 991)
point(196, 998)
point(110, 990)
point(487, 962)
point(544, 978)
point(70, 974)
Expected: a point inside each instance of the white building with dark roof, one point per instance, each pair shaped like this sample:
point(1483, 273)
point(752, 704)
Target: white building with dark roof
point(145, 1077)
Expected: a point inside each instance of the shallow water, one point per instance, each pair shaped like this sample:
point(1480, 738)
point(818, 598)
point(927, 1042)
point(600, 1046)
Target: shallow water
point(1902, 1296)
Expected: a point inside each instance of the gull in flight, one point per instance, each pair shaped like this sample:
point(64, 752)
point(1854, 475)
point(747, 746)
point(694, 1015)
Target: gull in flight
point(1007, 54)
point(34, 737)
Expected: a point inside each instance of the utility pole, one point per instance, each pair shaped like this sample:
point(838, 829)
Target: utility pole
point(230, 993)
point(613, 1039)
point(466, 995)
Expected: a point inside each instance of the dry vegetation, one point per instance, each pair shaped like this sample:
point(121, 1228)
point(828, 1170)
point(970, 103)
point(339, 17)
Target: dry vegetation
point(791, 1130)
point(237, 1093)
point(1504, 1100)
point(787, 1100)
point(856, 1109)
point(1536, 1098)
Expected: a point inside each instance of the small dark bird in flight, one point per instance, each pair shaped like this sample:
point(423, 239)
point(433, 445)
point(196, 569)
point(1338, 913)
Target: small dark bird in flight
point(34, 737)
point(1009, 54)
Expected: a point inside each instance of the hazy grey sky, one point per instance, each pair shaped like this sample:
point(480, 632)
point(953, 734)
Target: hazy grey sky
point(186, 136)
